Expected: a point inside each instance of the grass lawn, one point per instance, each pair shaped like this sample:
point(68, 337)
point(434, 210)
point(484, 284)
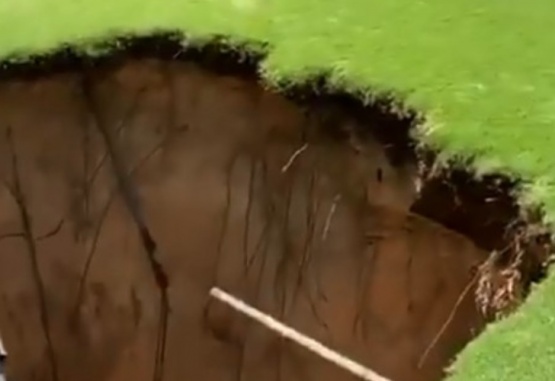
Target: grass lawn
point(482, 72)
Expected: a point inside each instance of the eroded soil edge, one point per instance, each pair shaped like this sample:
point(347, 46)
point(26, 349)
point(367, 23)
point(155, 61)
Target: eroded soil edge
point(310, 207)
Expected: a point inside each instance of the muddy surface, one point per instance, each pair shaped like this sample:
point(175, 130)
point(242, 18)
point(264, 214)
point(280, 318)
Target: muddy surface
point(240, 189)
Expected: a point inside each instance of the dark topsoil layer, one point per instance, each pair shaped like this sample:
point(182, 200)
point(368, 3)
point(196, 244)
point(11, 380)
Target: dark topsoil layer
point(484, 210)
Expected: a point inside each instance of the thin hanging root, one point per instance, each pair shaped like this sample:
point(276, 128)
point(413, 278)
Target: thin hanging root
point(248, 211)
point(227, 207)
point(128, 191)
point(98, 230)
point(293, 157)
point(52, 232)
point(263, 237)
point(91, 253)
point(265, 233)
point(263, 247)
point(297, 337)
point(282, 269)
point(41, 237)
point(447, 322)
point(312, 214)
point(329, 218)
point(364, 279)
point(121, 124)
point(16, 191)
point(310, 228)
point(286, 251)
point(223, 232)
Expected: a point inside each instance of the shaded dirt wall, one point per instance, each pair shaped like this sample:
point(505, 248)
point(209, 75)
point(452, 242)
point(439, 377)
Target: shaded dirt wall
point(241, 189)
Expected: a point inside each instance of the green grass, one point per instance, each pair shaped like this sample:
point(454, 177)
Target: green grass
point(482, 72)
point(519, 348)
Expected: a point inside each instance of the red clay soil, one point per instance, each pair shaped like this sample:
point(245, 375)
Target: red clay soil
point(241, 190)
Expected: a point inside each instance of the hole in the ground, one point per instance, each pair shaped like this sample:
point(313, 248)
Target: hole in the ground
point(317, 210)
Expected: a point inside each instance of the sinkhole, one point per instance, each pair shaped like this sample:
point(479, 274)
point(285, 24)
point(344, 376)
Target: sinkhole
point(135, 182)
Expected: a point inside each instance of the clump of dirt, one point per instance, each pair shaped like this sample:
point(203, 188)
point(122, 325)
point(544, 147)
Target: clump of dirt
point(134, 184)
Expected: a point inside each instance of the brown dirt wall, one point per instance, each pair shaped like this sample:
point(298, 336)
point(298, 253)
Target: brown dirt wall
point(242, 189)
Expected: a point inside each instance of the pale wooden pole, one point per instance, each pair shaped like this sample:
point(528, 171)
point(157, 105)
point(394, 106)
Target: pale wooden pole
point(297, 337)
point(3, 355)
point(3, 352)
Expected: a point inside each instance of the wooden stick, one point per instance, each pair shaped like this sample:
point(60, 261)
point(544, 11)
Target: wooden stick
point(3, 352)
point(304, 341)
point(3, 356)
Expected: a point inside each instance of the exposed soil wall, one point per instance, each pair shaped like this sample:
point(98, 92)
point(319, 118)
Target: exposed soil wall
point(242, 189)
